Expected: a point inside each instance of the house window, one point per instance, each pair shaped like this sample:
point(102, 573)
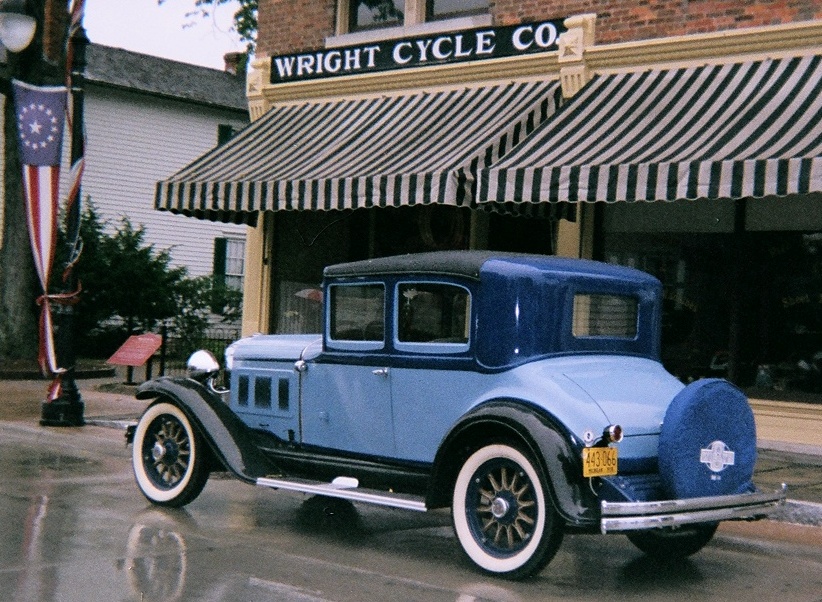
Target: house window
point(229, 257)
point(436, 10)
point(374, 14)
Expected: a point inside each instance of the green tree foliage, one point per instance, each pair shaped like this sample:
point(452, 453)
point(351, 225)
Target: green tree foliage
point(129, 286)
point(245, 17)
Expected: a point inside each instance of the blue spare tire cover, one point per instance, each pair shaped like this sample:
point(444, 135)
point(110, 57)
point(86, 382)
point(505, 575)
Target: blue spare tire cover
point(707, 445)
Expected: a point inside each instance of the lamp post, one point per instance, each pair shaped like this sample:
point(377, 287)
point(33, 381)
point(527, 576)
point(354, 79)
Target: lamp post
point(67, 409)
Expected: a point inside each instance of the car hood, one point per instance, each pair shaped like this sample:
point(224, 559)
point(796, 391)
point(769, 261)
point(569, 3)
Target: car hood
point(632, 392)
point(272, 347)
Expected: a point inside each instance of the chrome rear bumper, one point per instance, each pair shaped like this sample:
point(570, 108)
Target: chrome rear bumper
point(634, 516)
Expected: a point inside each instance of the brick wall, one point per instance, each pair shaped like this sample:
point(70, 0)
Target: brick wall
point(290, 25)
point(294, 25)
point(620, 21)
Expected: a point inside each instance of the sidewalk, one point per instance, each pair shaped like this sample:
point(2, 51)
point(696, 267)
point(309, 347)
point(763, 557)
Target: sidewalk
point(788, 453)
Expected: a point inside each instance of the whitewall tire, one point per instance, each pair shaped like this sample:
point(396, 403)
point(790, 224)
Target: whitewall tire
point(168, 456)
point(503, 517)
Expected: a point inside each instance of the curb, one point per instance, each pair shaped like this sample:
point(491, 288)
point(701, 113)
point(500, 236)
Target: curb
point(79, 373)
point(799, 513)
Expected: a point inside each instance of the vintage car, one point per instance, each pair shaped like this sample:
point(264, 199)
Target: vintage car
point(524, 392)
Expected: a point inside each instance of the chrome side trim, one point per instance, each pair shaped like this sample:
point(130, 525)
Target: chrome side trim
point(634, 516)
point(354, 494)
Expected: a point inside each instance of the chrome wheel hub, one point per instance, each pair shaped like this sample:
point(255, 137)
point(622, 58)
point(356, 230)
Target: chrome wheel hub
point(158, 452)
point(499, 507)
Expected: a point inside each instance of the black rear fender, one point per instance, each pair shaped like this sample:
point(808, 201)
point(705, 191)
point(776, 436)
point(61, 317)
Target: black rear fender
point(534, 431)
point(230, 440)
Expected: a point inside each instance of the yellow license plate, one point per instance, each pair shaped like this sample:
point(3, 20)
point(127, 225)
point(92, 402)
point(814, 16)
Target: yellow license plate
point(599, 461)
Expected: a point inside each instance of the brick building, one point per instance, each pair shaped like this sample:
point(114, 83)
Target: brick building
point(408, 125)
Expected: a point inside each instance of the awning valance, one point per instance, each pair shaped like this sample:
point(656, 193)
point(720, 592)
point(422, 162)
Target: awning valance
point(422, 148)
point(734, 131)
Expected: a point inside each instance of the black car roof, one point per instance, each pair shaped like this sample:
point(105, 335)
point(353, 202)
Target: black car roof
point(467, 264)
point(446, 263)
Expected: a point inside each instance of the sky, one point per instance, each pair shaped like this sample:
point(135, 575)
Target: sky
point(164, 30)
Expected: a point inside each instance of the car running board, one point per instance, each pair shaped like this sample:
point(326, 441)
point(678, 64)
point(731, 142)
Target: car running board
point(348, 489)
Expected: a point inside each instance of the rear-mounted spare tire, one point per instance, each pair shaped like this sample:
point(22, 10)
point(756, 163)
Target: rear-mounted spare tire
point(707, 445)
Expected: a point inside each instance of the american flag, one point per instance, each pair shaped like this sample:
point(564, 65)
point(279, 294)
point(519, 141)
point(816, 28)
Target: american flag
point(40, 118)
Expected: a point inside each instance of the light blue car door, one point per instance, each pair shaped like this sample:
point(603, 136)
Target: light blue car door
point(347, 408)
point(345, 398)
point(434, 386)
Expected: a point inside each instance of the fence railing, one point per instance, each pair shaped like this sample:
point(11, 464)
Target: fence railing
point(175, 351)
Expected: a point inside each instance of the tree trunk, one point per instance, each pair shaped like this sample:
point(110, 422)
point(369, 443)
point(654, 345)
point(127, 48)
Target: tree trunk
point(18, 289)
point(41, 63)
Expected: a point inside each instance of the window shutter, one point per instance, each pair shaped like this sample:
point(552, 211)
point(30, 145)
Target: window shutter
point(220, 245)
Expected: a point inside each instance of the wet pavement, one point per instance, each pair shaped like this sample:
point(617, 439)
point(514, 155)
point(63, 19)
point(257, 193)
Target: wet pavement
point(109, 403)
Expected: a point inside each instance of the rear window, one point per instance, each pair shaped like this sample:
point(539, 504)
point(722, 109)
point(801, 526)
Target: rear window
point(600, 315)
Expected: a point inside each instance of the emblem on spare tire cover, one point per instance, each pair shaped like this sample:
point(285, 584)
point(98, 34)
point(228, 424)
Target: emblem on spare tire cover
point(717, 456)
point(708, 410)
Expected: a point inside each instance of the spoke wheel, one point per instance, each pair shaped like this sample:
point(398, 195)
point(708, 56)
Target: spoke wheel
point(168, 456)
point(502, 517)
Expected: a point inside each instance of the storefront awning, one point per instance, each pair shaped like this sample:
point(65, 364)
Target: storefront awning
point(389, 151)
point(733, 131)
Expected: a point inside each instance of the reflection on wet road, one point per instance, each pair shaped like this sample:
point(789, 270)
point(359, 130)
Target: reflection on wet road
point(75, 528)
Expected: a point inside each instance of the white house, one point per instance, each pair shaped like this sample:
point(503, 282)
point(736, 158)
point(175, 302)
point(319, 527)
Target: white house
point(146, 117)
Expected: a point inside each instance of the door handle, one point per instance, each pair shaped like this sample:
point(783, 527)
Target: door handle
point(380, 372)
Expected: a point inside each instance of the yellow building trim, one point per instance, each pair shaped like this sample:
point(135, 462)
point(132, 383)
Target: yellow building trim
point(257, 281)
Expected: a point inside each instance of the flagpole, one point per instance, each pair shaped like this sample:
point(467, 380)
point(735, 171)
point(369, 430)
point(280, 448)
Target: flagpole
point(67, 409)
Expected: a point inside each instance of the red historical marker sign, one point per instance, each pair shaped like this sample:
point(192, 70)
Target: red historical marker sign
point(137, 350)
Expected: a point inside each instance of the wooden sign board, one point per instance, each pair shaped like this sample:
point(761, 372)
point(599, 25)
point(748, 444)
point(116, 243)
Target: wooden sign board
point(137, 350)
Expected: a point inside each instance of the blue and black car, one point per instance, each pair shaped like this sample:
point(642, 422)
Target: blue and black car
point(524, 392)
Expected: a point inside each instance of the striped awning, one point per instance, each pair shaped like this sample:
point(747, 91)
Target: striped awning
point(422, 148)
point(732, 131)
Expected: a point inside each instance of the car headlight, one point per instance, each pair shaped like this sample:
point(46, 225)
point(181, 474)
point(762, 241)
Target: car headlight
point(202, 365)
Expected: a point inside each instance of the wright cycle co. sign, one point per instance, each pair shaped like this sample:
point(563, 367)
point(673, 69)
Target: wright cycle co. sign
point(453, 47)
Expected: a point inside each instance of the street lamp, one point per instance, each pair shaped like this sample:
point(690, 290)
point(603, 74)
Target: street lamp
point(67, 409)
point(16, 27)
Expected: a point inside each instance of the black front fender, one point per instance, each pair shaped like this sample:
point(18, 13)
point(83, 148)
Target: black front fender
point(228, 437)
point(544, 438)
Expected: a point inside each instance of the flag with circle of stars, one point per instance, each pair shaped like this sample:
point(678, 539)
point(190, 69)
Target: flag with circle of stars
point(40, 117)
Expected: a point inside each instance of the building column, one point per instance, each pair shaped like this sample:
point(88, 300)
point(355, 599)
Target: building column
point(259, 249)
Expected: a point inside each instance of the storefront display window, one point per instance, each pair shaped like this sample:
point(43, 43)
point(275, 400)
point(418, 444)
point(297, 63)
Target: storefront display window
point(307, 241)
point(769, 283)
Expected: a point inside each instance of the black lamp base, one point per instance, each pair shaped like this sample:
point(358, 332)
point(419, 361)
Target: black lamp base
point(62, 412)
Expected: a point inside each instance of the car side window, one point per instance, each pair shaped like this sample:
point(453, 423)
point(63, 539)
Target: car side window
point(433, 313)
point(603, 315)
point(357, 312)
